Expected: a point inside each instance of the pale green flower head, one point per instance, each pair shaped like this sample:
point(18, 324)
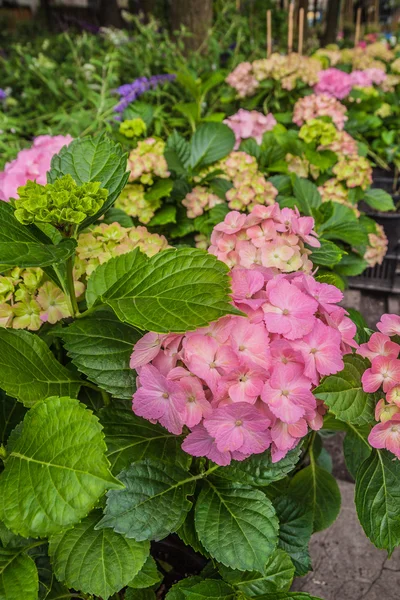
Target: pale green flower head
point(132, 128)
point(319, 132)
point(60, 203)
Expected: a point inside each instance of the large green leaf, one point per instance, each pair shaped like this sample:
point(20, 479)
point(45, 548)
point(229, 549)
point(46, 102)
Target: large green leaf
point(211, 142)
point(99, 562)
point(18, 576)
point(318, 490)
point(209, 589)
point(29, 371)
point(154, 502)
point(236, 524)
point(11, 413)
point(132, 594)
point(56, 470)
point(177, 153)
point(100, 347)
point(49, 587)
point(343, 225)
point(177, 592)
point(148, 575)
point(175, 290)
point(328, 255)
point(307, 196)
point(295, 529)
point(379, 200)
point(356, 448)
point(259, 470)
point(277, 576)
point(378, 499)
point(19, 246)
point(92, 159)
point(344, 395)
point(130, 438)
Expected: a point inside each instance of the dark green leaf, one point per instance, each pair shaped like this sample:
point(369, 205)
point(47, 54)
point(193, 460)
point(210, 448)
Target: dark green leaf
point(153, 504)
point(329, 254)
point(210, 142)
point(29, 371)
point(343, 225)
point(209, 589)
point(379, 200)
point(378, 499)
point(117, 215)
point(18, 576)
point(356, 447)
point(236, 524)
point(295, 529)
point(307, 195)
point(148, 575)
point(140, 110)
point(344, 395)
point(11, 413)
point(177, 153)
point(100, 346)
point(164, 216)
point(351, 264)
point(177, 590)
point(161, 189)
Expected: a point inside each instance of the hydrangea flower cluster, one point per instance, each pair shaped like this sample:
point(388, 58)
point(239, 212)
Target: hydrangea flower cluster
point(355, 170)
point(130, 92)
point(27, 300)
point(317, 131)
point(200, 199)
point(367, 77)
point(132, 128)
point(243, 385)
point(333, 190)
point(377, 247)
point(287, 69)
point(250, 124)
point(268, 237)
point(333, 82)
point(146, 162)
point(395, 66)
point(384, 377)
point(242, 80)
point(31, 164)
point(343, 144)
point(103, 242)
point(59, 203)
point(323, 105)
point(301, 166)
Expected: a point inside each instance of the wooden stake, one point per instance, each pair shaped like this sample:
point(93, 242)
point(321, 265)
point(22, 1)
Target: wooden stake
point(238, 5)
point(290, 28)
point(269, 34)
point(358, 27)
point(301, 31)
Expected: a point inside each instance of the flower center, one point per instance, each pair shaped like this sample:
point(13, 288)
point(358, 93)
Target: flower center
point(395, 428)
point(165, 395)
point(213, 365)
point(242, 348)
point(191, 399)
point(313, 350)
point(285, 392)
point(238, 423)
point(285, 311)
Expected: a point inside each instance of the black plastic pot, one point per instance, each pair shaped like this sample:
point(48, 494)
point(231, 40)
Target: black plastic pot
point(385, 180)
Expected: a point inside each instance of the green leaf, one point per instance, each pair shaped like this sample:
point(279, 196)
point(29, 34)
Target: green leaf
point(259, 470)
point(154, 502)
point(378, 499)
point(282, 183)
point(343, 225)
point(277, 576)
point(307, 195)
point(220, 187)
point(331, 278)
point(148, 575)
point(92, 159)
point(295, 530)
point(251, 147)
point(323, 159)
point(49, 587)
point(98, 562)
point(29, 371)
point(131, 594)
point(351, 264)
point(164, 216)
point(188, 534)
point(100, 346)
point(344, 395)
point(318, 490)
point(117, 215)
point(328, 254)
point(206, 222)
point(209, 589)
point(236, 524)
point(105, 275)
point(177, 592)
point(140, 110)
point(56, 471)
point(177, 153)
point(175, 290)
point(189, 110)
point(210, 142)
point(130, 438)
point(379, 200)
point(288, 596)
point(161, 189)
point(18, 576)
point(356, 448)
point(11, 413)
point(20, 247)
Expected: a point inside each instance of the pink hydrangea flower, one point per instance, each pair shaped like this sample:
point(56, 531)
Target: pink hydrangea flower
point(288, 394)
point(334, 82)
point(250, 124)
point(384, 371)
point(379, 344)
point(387, 435)
point(31, 164)
point(319, 105)
point(321, 351)
point(389, 325)
point(200, 443)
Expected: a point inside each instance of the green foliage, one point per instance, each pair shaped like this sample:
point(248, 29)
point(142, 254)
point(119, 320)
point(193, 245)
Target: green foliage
point(259, 470)
point(29, 371)
point(60, 203)
point(148, 575)
point(154, 502)
point(51, 481)
point(379, 200)
point(211, 142)
point(307, 196)
point(295, 528)
point(18, 575)
point(99, 562)
point(236, 524)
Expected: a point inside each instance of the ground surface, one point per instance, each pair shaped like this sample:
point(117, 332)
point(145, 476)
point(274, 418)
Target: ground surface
point(346, 565)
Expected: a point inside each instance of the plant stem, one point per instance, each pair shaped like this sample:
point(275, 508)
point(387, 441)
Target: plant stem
point(104, 395)
point(71, 287)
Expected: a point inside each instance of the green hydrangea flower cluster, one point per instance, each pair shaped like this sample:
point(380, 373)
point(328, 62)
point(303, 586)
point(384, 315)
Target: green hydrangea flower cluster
point(132, 128)
point(319, 132)
point(59, 203)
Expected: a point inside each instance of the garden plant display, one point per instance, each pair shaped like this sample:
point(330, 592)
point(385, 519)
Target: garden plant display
point(175, 241)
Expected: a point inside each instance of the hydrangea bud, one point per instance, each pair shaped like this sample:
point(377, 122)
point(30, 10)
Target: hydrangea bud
point(60, 203)
point(132, 200)
point(318, 132)
point(132, 128)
